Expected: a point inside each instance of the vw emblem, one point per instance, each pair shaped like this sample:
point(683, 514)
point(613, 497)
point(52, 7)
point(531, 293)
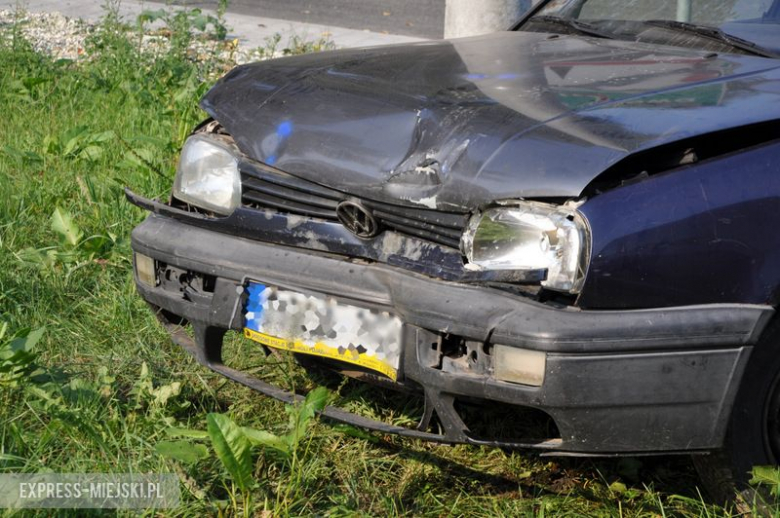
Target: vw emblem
point(357, 219)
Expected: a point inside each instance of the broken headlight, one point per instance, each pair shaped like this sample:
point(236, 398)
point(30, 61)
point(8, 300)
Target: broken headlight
point(530, 236)
point(208, 176)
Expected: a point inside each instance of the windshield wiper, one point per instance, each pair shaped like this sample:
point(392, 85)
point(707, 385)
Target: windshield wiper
point(581, 27)
point(713, 33)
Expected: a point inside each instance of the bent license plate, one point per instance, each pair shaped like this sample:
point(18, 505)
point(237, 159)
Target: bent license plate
point(322, 326)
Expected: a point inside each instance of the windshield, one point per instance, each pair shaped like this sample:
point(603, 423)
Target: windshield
point(685, 23)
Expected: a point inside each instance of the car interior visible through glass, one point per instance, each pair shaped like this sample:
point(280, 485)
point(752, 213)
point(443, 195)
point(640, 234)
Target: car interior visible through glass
point(740, 26)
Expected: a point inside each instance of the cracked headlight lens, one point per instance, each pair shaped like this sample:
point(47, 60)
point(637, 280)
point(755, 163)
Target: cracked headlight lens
point(208, 176)
point(530, 236)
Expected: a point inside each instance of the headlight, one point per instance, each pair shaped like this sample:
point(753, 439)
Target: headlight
point(208, 176)
point(530, 236)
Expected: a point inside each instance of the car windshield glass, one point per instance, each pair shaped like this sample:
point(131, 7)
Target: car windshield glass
point(740, 26)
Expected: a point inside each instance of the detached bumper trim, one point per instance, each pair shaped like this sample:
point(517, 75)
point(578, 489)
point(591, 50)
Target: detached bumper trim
point(183, 340)
point(551, 447)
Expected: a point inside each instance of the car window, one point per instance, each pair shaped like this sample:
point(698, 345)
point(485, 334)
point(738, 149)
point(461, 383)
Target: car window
point(757, 21)
point(705, 12)
point(637, 9)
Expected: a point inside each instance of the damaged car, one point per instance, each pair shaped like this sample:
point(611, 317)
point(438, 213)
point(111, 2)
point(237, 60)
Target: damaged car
point(575, 216)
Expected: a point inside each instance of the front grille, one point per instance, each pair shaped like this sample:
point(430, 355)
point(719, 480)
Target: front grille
point(264, 187)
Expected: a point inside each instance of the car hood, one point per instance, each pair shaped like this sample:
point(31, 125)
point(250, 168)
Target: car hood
point(458, 124)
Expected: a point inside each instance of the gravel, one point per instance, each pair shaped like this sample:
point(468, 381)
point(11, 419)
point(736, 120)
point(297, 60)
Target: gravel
point(64, 38)
point(50, 33)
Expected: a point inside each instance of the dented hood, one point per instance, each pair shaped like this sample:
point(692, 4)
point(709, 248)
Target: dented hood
point(462, 123)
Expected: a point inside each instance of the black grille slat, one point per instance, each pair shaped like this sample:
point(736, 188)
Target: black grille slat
point(401, 222)
point(264, 187)
point(264, 200)
point(255, 185)
point(285, 180)
point(426, 234)
point(449, 220)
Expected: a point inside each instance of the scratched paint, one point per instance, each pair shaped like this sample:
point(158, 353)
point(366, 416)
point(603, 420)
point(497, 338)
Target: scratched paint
point(542, 117)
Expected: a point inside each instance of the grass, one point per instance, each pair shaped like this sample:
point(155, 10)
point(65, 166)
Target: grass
point(99, 387)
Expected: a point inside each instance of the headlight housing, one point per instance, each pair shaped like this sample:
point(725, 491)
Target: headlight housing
point(530, 236)
point(208, 176)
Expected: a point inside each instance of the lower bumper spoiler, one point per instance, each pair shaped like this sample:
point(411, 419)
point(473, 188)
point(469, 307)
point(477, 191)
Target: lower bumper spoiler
point(182, 339)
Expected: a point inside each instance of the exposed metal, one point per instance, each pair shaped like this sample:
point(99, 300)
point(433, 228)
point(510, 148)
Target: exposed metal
point(268, 188)
point(503, 116)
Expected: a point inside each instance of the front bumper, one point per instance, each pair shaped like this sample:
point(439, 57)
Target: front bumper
point(616, 382)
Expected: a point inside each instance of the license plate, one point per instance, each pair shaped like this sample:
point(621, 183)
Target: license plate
point(319, 325)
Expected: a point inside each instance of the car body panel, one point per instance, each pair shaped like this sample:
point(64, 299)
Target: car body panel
point(699, 234)
point(459, 124)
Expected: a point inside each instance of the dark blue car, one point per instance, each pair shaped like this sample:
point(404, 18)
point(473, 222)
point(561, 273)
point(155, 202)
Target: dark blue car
point(575, 218)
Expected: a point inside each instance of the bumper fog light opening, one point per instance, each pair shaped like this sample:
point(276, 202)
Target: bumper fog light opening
point(519, 365)
point(145, 270)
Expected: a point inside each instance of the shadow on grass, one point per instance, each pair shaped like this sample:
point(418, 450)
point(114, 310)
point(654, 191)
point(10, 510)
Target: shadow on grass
point(484, 471)
point(672, 474)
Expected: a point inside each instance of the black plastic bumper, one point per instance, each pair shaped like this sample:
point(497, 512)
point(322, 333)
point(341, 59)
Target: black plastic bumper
point(616, 381)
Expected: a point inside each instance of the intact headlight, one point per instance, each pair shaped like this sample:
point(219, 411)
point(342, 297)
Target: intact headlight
point(530, 236)
point(208, 176)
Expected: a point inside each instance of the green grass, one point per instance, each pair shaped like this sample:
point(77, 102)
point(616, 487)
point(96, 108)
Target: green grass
point(107, 385)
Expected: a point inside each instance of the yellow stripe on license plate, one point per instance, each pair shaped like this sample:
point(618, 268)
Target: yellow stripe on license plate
point(323, 351)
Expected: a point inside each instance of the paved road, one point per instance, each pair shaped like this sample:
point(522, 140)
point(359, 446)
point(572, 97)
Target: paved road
point(421, 18)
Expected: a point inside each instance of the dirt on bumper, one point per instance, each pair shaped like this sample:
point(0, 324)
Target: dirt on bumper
point(615, 381)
